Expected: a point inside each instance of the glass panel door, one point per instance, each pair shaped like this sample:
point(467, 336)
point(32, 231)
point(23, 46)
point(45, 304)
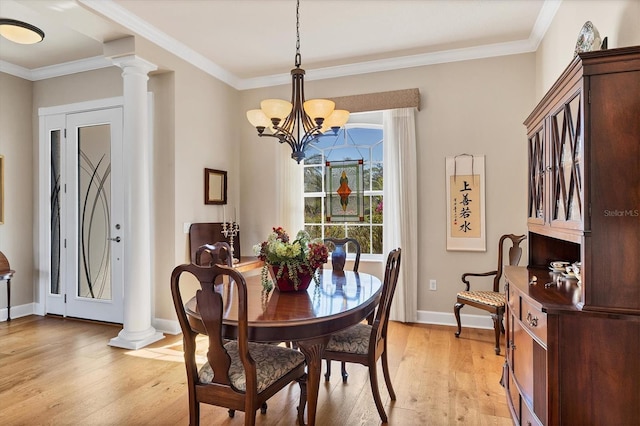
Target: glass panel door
point(94, 199)
point(566, 142)
point(537, 170)
point(94, 243)
point(55, 141)
point(56, 161)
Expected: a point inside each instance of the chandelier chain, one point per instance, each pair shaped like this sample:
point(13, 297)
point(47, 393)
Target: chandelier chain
point(298, 60)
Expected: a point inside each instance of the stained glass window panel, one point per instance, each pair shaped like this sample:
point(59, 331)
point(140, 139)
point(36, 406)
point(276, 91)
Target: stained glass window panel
point(345, 196)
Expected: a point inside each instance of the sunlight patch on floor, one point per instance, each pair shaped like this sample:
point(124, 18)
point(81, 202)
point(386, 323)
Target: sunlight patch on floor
point(171, 352)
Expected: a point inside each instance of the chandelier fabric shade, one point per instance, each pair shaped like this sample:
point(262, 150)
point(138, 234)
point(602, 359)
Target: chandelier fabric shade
point(20, 32)
point(299, 122)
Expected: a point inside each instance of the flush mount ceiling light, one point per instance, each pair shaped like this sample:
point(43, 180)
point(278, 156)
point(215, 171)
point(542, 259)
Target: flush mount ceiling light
point(20, 32)
point(297, 123)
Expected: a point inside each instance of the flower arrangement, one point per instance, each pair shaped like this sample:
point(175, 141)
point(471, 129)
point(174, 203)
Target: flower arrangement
point(302, 256)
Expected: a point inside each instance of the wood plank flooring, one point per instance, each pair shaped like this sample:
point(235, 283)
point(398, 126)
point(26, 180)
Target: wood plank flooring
point(56, 371)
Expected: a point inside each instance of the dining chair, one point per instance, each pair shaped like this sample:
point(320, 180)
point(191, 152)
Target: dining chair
point(217, 253)
point(366, 343)
point(238, 374)
point(338, 248)
point(492, 300)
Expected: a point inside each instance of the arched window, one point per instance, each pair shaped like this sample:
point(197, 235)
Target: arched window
point(360, 141)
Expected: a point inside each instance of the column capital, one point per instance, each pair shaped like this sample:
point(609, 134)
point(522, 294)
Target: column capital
point(132, 61)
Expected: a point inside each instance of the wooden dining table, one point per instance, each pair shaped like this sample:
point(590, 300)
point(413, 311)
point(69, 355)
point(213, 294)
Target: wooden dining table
point(340, 300)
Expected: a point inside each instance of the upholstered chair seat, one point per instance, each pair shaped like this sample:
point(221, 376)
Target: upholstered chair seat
point(353, 340)
point(486, 297)
point(272, 363)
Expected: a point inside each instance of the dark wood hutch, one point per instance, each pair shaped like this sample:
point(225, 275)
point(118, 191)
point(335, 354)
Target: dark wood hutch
point(573, 349)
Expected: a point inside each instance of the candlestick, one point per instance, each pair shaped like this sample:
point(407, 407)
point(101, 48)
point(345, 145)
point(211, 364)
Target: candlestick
point(230, 231)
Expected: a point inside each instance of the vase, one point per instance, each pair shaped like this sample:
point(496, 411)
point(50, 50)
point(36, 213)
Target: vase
point(284, 283)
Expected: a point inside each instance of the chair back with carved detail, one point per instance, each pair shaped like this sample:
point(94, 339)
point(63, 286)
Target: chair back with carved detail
point(239, 375)
point(515, 253)
point(214, 254)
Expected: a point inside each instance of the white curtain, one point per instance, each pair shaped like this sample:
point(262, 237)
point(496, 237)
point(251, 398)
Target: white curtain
point(401, 207)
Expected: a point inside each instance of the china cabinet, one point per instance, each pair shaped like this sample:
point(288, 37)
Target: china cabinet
point(573, 348)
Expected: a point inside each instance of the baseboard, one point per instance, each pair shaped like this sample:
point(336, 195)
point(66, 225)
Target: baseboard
point(18, 311)
point(442, 318)
point(161, 325)
point(166, 326)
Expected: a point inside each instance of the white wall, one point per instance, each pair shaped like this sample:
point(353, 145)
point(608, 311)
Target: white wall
point(16, 234)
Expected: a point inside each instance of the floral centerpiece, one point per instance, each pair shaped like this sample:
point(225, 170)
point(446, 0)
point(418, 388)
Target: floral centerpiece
point(295, 262)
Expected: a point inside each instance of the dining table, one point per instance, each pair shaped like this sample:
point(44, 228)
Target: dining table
point(338, 300)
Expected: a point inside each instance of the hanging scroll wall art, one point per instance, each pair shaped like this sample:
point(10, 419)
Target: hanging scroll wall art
point(465, 203)
point(345, 196)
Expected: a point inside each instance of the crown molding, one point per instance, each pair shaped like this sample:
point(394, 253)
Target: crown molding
point(15, 70)
point(72, 67)
point(120, 15)
point(58, 70)
point(545, 17)
point(445, 56)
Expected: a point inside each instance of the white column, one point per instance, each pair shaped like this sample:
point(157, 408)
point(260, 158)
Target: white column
point(137, 331)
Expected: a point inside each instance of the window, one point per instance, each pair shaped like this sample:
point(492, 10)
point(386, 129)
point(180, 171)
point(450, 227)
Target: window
point(361, 139)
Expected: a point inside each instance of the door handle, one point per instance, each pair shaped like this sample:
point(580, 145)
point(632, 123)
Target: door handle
point(116, 239)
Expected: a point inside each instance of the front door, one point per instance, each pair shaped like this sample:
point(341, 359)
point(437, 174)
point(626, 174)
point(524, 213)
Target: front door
point(86, 216)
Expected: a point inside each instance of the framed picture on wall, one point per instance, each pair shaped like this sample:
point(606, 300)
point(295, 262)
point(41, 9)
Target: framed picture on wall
point(465, 188)
point(215, 186)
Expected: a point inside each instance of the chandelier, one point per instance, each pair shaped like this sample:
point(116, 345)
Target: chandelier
point(297, 123)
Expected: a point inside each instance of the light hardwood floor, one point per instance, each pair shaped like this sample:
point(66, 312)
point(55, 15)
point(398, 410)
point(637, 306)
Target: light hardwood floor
point(57, 371)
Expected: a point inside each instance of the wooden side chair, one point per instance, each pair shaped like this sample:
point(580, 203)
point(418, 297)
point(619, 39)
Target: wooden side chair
point(493, 300)
point(214, 254)
point(6, 273)
point(238, 374)
point(366, 343)
point(337, 247)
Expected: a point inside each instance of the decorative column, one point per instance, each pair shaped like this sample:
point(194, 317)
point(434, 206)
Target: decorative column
point(137, 331)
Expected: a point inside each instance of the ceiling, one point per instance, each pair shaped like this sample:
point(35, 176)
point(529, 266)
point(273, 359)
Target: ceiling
point(251, 43)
